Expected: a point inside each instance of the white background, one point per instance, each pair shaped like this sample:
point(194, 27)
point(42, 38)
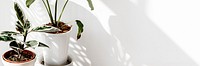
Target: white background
point(125, 32)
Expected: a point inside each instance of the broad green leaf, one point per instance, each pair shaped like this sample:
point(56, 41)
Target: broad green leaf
point(6, 38)
point(14, 45)
point(23, 24)
point(80, 28)
point(90, 4)
point(19, 13)
point(29, 2)
point(9, 33)
point(17, 47)
point(45, 29)
point(34, 44)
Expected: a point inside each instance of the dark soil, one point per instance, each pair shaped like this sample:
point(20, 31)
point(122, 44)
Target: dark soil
point(62, 26)
point(12, 56)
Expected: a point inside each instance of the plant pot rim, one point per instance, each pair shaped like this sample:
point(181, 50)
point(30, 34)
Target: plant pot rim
point(9, 61)
point(59, 33)
point(63, 31)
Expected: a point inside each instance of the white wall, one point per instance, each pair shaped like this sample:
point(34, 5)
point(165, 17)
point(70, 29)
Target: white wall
point(5, 24)
point(127, 32)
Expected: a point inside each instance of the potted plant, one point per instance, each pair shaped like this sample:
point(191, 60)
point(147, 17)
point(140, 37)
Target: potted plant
point(19, 55)
point(58, 40)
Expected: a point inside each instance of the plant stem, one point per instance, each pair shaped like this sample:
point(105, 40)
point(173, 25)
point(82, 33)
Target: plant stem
point(56, 4)
point(26, 33)
point(19, 55)
point(47, 11)
point(48, 8)
point(63, 10)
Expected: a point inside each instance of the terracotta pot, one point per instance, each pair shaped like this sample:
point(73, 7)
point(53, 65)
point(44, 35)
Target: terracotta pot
point(57, 52)
point(30, 62)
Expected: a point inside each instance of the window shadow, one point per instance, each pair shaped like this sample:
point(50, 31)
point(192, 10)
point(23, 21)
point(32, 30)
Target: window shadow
point(141, 39)
point(134, 40)
point(94, 47)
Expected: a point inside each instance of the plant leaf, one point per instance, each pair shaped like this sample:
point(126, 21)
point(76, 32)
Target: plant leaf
point(80, 28)
point(19, 13)
point(23, 24)
point(19, 24)
point(16, 46)
point(90, 4)
point(29, 2)
point(27, 24)
point(46, 29)
point(6, 38)
point(34, 44)
point(19, 27)
point(31, 43)
point(9, 33)
point(42, 45)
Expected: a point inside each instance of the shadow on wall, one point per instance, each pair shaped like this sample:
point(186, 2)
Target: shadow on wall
point(95, 46)
point(135, 40)
point(144, 42)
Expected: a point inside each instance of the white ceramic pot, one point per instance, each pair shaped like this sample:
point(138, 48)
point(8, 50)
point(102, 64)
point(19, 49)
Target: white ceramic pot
point(58, 52)
point(27, 63)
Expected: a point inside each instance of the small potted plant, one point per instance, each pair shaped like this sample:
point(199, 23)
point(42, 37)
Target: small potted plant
point(58, 40)
point(19, 55)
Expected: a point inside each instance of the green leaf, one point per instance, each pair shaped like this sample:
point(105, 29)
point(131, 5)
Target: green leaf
point(31, 43)
point(80, 28)
point(14, 45)
point(9, 33)
point(19, 13)
point(90, 4)
point(19, 24)
point(45, 29)
point(34, 44)
point(19, 27)
point(17, 47)
point(27, 24)
point(6, 38)
point(23, 24)
point(29, 2)
point(42, 45)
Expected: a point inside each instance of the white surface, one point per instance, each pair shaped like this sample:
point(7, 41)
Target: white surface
point(128, 32)
point(57, 52)
point(38, 62)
